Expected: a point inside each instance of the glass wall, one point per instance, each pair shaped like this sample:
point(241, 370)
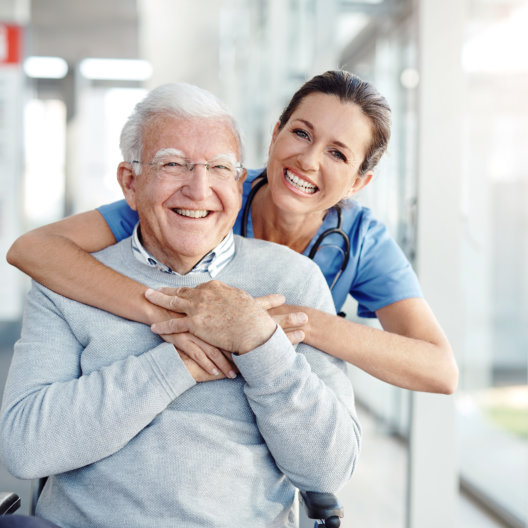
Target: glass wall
point(388, 60)
point(492, 403)
point(384, 53)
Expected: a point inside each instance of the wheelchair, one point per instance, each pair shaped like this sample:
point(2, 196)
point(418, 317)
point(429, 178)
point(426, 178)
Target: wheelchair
point(324, 508)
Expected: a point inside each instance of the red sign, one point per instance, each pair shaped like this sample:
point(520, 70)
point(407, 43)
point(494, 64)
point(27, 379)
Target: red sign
point(10, 44)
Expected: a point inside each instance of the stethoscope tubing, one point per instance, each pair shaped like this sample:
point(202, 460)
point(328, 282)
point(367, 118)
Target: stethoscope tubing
point(332, 231)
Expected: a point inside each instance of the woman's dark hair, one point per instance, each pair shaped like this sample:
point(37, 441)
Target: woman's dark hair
point(350, 89)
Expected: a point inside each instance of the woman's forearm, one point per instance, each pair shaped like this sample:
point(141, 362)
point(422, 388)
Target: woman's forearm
point(58, 257)
point(418, 358)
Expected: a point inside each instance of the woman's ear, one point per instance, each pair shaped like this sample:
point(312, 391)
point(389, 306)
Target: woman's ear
point(127, 180)
point(274, 135)
point(359, 183)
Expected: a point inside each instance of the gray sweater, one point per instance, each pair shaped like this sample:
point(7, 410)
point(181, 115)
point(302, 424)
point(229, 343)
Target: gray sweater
point(131, 440)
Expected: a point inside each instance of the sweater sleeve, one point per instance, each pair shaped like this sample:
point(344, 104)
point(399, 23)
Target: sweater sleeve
point(55, 418)
point(304, 405)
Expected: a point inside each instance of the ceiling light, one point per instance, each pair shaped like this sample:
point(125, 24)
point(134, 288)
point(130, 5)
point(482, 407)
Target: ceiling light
point(115, 69)
point(46, 67)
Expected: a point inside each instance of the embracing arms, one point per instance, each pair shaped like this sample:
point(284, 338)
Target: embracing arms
point(72, 400)
point(411, 352)
point(56, 255)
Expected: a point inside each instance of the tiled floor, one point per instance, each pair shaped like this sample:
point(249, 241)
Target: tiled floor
point(375, 498)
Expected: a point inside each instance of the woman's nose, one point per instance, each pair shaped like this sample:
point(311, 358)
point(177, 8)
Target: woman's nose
point(309, 159)
point(198, 185)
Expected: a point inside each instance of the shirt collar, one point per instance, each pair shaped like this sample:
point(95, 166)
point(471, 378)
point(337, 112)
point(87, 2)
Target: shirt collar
point(213, 263)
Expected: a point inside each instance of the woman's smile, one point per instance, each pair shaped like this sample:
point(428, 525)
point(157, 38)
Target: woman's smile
point(299, 183)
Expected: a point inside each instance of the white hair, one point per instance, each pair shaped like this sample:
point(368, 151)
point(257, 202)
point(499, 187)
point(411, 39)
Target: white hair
point(176, 99)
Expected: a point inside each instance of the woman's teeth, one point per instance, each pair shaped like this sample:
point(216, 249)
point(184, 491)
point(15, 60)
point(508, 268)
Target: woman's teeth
point(192, 213)
point(300, 184)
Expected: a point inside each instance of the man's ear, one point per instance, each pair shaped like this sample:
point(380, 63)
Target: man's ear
point(359, 183)
point(242, 178)
point(127, 180)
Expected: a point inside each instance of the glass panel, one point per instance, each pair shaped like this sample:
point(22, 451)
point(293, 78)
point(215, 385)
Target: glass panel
point(492, 402)
point(383, 408)
point(392, 193)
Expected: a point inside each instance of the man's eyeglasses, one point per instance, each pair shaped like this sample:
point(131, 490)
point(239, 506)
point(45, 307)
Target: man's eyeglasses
point(179, 168)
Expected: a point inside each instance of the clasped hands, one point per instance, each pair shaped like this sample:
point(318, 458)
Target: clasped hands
point(214, 320)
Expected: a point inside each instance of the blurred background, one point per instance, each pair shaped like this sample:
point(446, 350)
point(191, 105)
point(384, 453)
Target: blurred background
point(453, 190)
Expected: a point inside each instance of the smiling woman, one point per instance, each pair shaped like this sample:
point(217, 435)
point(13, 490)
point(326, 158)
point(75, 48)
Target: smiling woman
point(323, 150)
point(313, 164)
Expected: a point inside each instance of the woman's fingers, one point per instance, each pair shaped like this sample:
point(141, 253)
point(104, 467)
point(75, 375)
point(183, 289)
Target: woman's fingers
point(168, 298)
point(270, 301)
point(295, 336)
point(290, 321)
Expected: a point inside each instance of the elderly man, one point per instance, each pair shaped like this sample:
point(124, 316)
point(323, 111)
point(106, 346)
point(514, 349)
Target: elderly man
point(135, 434)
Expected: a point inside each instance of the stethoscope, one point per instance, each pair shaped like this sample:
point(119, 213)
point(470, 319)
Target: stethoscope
point(262, 180)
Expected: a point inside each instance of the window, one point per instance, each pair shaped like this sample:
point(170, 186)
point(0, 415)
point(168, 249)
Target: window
point(492, 403)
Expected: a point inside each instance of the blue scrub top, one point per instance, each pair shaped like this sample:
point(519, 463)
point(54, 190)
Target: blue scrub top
point(377, 274)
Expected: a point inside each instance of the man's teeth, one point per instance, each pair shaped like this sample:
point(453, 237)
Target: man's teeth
point(303, 185)
point(192, 213)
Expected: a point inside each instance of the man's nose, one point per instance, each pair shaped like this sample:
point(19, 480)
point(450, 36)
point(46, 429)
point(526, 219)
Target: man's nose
point(197, 186)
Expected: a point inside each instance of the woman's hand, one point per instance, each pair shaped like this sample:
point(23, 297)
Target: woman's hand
point(293, 321)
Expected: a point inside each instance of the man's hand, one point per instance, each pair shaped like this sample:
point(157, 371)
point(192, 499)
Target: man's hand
point(208, 357)
point(197, 372)
point(226, 317)
point(290, 318)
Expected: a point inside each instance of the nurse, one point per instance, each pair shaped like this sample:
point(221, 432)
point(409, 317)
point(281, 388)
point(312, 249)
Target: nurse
point(323, 151)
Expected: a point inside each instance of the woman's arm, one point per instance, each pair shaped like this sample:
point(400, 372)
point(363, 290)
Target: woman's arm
point(58, 256)
point(411, 351)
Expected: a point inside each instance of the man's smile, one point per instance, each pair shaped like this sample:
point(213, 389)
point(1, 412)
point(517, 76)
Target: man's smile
point(192, 213)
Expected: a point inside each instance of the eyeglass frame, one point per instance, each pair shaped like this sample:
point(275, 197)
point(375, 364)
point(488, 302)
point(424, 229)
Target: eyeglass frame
point(190, 165)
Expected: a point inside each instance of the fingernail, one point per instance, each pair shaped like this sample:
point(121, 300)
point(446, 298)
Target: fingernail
point(215, 372)
point(302, 317)
point(149, 291)
point(232, 374)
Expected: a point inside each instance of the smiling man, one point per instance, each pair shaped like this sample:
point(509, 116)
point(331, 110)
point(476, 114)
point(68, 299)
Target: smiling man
point(131, 432)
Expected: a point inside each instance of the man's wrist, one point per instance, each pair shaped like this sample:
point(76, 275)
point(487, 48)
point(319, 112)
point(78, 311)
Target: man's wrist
point(254, 341)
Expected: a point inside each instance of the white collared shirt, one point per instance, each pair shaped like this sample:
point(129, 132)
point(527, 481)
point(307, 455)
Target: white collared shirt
point(212, 263)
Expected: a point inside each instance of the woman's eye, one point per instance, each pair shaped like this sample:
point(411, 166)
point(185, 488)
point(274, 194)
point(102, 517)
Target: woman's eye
point(338, 155)
point(301, 133)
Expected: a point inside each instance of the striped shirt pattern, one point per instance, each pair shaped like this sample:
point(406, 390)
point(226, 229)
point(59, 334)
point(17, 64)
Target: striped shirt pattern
point(213, 263)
